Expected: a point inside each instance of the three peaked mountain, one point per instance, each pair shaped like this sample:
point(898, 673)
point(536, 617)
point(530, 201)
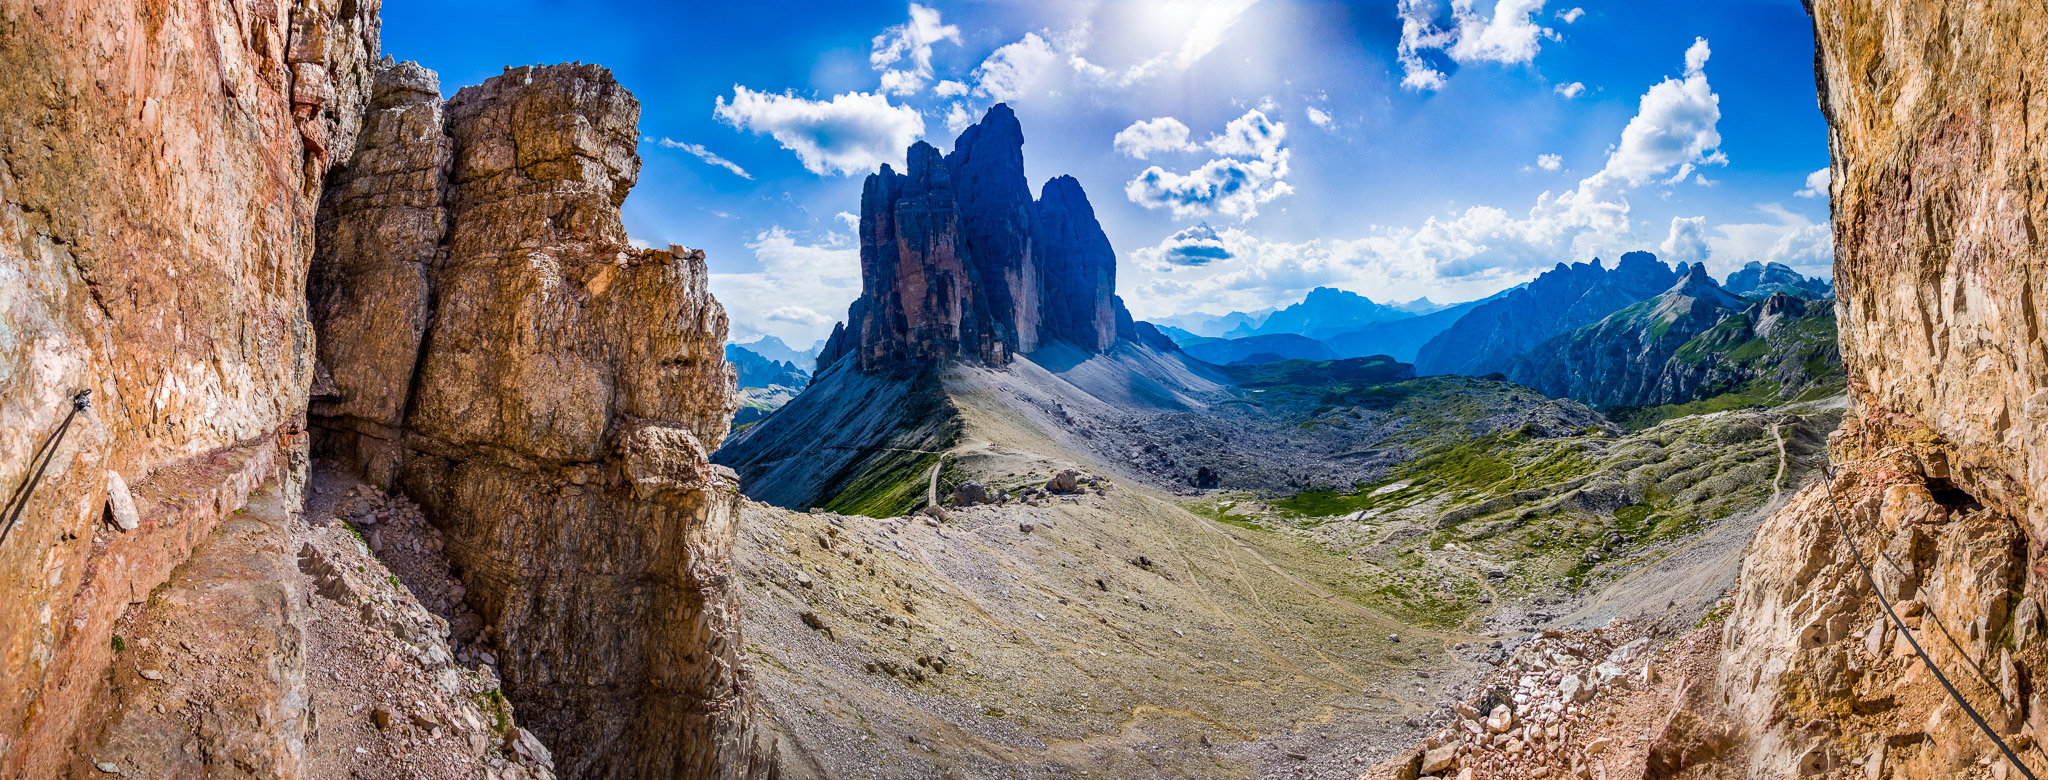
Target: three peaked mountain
point(959, 262)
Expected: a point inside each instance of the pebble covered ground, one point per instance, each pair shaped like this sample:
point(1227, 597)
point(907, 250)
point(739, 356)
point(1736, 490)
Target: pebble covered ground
point(392, 698)
point(1588, 704)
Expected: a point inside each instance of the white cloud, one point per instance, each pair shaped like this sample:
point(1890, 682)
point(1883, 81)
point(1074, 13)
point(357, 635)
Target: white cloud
point(707, 156)
point(851, 219)
point(1251, 135)
point(798, 315)
point(1481, 248)
point(1570, 16)
point(1252, 171)
point(1816, 185)
point(1673, 127)
point(1212, 25)
point(849, 134)
point(1150, 136)
point(909, 45)
point(1687, 242)
point(799, 291)
point(1572, 90)
point(1509, 36)
point(1319, 118)
point(1696, 56)
point(1549, 162)
point(1808, 246)
point(949, 88)
point(1418, 33)
point(958, 118)
point(1195, 246)
point(1009, 73)
point(1224, 186)
point(1208, 24)
point(1786, 237)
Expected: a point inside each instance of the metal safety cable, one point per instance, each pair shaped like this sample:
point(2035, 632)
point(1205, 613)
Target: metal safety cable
point(80, 402)
point(1843, 529)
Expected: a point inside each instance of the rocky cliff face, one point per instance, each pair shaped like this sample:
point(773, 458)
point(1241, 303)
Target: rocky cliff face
point(1491, 336)
point(957, 260)
point(1692, 342)
point(1940, 144)
point(159, 172)
point(548, 394)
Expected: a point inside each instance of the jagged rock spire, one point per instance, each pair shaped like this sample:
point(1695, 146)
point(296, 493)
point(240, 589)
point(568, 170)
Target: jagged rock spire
point(958, 261)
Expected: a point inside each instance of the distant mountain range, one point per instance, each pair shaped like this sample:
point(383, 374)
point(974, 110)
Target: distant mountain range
point(779, 351)
point(1757, 280)
point(1639, 334)
point(1256, 350)
point(1489, 338)
point(758, 370)
point(1694, 341)
point(1326, 312)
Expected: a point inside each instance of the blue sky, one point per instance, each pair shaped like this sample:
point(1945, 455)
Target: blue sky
point(1238, 152)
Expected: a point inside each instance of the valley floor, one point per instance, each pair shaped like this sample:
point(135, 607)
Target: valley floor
point(1110, 635)
point(1149, 630)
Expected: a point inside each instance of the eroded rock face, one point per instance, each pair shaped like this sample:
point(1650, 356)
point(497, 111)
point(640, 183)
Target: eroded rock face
point(957, 260)
point(551, 409)
point(1939, 147)
point(159, 173)
point(380, 230)
point(1079, 267)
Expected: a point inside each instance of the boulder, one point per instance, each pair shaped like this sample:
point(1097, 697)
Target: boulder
point(121, 503)
point(1440, 759)
point(970, 493)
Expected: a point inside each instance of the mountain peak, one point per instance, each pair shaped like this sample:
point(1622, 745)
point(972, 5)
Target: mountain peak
point(958, 261)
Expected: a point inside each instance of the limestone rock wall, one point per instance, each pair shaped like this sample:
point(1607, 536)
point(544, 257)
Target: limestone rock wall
point(1079, 268)
point(379, 245)
point(548, 393)
point(958, 261)
point(159, 173)
point(1940, 134)
point(1939, 131)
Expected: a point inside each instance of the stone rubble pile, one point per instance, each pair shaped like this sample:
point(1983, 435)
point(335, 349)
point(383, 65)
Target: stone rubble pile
point(376, 556)
point(1533, 717)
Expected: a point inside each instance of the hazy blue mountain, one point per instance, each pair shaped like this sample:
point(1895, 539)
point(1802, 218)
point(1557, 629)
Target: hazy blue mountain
point(1254, 350)
point(774, 349)
point(1328, 311)
point(1178, 335)
point(1421, 306)
point(1398, 339)
point(757, 370)
point(1215, 325)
